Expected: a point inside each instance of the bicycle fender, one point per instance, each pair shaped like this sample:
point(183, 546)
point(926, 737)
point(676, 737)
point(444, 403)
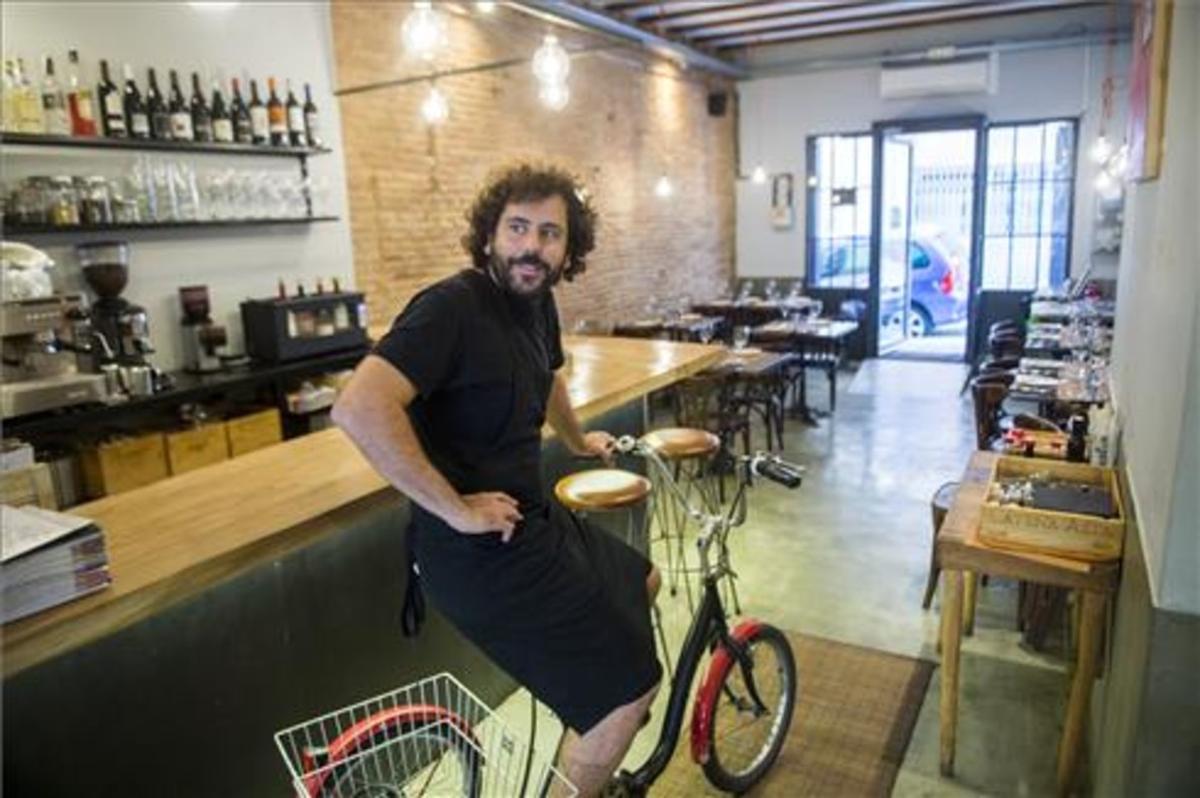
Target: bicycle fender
point(706, 696)
point(349, 742)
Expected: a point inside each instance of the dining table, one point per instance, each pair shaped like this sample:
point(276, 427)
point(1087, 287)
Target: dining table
point(753, 311)
point(693, 327)
point(815, 343)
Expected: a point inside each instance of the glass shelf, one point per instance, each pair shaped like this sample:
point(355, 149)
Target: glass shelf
point(101, 143)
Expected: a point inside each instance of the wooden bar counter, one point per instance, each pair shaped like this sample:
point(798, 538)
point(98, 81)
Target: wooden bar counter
point(174, 539)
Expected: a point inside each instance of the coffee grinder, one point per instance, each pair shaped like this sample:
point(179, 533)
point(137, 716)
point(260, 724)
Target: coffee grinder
point(120, 324)
point(203, 342)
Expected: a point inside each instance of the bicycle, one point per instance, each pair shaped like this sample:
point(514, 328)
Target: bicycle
point(397, 744)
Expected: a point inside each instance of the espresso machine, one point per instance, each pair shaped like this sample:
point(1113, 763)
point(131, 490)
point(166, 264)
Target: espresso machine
point(204, 342)
point(44, 339)
point(121, 327)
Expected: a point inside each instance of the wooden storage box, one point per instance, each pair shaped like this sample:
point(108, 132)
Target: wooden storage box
point(1083, 537)
point(30, 484)
point(124, 464)
point(196, 447)
point(254, 431)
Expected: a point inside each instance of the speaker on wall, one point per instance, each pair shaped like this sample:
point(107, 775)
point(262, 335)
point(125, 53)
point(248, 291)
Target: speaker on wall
point(717, 101)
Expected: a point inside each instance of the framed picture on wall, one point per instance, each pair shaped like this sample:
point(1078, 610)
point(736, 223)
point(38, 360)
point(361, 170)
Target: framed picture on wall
point(1148, 86)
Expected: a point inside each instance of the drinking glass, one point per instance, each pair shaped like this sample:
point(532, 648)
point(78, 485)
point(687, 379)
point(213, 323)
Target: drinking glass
point(741, 336)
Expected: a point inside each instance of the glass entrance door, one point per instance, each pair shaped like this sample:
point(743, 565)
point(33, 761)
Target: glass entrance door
point(895, 235)
point(926, 216)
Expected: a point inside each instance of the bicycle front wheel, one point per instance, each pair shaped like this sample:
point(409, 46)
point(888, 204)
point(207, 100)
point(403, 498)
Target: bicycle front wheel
point(743, 739)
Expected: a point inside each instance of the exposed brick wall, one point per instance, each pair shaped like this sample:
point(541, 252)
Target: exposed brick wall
point(630, 120)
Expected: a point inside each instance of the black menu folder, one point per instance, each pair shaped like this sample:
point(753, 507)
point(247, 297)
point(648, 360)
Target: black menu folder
point(1066, 497)
point(48, 558)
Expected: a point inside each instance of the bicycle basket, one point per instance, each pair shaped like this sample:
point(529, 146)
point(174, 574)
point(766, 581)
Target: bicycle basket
point(431, 738)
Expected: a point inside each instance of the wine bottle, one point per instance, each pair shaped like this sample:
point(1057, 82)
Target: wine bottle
point(33, 118)
point(311, 120)
point(54, 104)
point(112, 107)
point(201, 117)
point(243, 130)
point(222, 124)
point(181, 117)
point(137, 122)
point(259, 123)
point(79, 100)
point(277, 117)
point(295, 118)
point(9, 119)
point(156, 109)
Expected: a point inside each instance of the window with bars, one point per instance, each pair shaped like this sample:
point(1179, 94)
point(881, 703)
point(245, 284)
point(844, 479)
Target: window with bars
point(838, 243)
point(1028, 205)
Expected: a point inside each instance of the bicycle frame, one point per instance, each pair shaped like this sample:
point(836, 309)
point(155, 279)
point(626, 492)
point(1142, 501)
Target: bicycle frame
point(708, 632)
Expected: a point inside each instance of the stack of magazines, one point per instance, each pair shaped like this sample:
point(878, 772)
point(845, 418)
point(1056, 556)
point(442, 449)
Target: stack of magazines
point(48, 558)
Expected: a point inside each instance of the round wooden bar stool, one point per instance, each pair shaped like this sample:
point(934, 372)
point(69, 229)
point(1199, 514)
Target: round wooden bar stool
point(610, 490)
point(688, 452)
point(602, 489)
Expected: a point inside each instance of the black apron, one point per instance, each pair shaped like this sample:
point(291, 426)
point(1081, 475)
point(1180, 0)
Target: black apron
point(563, 604)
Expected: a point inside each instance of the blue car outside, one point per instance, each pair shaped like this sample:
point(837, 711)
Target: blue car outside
point(937, 290)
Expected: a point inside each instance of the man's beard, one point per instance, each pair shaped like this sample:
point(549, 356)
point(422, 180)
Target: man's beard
point(525, 276)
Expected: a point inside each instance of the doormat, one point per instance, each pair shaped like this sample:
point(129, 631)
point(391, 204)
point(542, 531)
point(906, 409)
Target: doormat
point(854, 717)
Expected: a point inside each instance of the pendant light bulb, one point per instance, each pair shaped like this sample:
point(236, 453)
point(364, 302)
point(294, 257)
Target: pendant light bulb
point(663, 187)
point(551, 63)
point(435, 109)
point(1100, 149)
point(554, 96)
point(423, 32)
point(759, 175)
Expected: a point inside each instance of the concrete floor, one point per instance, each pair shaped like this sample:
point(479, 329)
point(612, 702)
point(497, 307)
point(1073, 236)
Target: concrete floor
point(845, 557)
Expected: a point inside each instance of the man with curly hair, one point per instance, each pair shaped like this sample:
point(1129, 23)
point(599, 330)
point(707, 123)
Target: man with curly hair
point(449, 408)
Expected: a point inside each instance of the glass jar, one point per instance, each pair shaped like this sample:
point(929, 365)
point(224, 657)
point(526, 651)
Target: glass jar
point(95, 206)
point(31, 201)
point(63, 205)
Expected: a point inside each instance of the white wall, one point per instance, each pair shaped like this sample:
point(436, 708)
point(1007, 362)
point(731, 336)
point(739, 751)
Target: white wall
point(1156, 357)
point(289, 40)
point(779, 113)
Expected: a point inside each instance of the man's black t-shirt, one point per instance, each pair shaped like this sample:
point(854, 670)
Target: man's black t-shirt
point(482, 362)
point(562, 606)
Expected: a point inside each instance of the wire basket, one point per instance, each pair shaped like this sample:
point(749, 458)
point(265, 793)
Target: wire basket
point(431, 738)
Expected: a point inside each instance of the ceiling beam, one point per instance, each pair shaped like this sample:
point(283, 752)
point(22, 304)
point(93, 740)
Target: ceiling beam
point(789, 22)
point(622, 29)
point(717, 13)
point(804, 32)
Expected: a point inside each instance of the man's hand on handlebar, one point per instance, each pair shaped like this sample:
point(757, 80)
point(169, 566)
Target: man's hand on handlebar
point(599, 444)
point(489, 512)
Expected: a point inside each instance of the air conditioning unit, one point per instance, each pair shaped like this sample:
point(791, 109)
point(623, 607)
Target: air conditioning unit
point(958, 76)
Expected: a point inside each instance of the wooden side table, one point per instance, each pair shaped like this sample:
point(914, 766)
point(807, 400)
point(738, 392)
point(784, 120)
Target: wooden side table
point(958, 550)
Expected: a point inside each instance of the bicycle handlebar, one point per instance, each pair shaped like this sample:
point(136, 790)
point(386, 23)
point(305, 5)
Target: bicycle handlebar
point(778, 470)
point(763, 464)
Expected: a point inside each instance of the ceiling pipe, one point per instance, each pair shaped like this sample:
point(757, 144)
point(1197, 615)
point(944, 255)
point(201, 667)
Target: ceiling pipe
point(598, 21)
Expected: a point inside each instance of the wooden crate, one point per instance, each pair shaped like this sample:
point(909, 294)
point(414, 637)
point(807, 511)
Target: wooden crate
point(30, 484)
point(124, 464)
point(1075, 535)
point(254, 431)
point(196, 447)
